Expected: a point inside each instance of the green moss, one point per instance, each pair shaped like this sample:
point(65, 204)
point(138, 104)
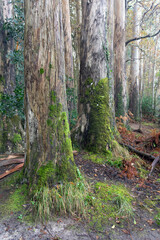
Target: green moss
point(41, 71)
point(143, 172)
point(16, 138)
point(108, 158)
point(157, 219)
point(59, 130)
point(98, 137)
point(109, 202)
point(89, 81)
point(15, 201)
point(119, 106)
point(53, 96)
point(2, 79)
point(45, 174)
point(10, 135)
point(95, 158)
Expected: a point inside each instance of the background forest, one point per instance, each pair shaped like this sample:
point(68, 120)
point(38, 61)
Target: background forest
point(78, 78)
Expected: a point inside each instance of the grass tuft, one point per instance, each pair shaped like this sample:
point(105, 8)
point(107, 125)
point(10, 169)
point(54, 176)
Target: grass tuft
point(69, 198)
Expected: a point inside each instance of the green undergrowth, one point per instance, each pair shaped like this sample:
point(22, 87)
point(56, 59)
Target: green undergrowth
point(67, 198)
point(157, 218)
point(12, 179)
point(17, 197)
point(105, 159)
point(109, 202)
point(151, 124)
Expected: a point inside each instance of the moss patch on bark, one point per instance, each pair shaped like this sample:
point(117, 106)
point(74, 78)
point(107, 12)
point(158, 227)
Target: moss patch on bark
point(59, 135)
point(99, 134)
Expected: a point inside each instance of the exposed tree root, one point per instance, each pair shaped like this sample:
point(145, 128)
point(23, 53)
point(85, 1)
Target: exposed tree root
point(145, 155)
point(141, 154)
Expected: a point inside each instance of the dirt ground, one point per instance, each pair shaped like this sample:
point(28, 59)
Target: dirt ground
point(143, 227)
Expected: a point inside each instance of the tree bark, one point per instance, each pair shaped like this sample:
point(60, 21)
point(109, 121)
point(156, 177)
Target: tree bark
point(7, 71)
point(69, 72)
point(110, 37)
point(134, 88)
point(67, 44)
point(49, 156)
point(94, 113)
point(119, 59)
point(153, 75)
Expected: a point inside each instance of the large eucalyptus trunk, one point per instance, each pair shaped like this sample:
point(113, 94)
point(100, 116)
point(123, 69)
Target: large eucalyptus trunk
point(134, 88)
point(94, 112)
point(119, 59)
point(47, 131)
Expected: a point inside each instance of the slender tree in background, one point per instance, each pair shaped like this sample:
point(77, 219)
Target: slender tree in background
point(110, 56)
point(135, 62)
point(67, 44)
point(69, 71)
point(94, 112)
point(119, 59)
point(48, 149)
point(154, 75)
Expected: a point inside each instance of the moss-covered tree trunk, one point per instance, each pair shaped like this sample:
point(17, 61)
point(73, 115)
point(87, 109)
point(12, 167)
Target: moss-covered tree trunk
point(119, 58)
point(49, 155)
point(94, 113)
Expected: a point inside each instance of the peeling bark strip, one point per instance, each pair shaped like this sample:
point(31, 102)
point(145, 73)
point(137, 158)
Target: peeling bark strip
point(49, 149)
point(93, 129)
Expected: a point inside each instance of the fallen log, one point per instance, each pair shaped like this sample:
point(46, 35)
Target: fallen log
point(17, 168)
point(6, 157)
point(141, 154)
point(11, 161)
point(145, 155)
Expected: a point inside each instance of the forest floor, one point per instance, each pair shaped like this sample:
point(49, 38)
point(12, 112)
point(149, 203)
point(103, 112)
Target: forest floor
point(144, 190)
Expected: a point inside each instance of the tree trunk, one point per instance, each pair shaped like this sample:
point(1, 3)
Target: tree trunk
point(110, 37)
point(153, 75)
point(94, 113)
point(134, 89)
point(9, 126)
point(141, 89)
point(119, 59)
point(49, 155)
point(67, 44)
point(69, 72)
point(7, 73)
